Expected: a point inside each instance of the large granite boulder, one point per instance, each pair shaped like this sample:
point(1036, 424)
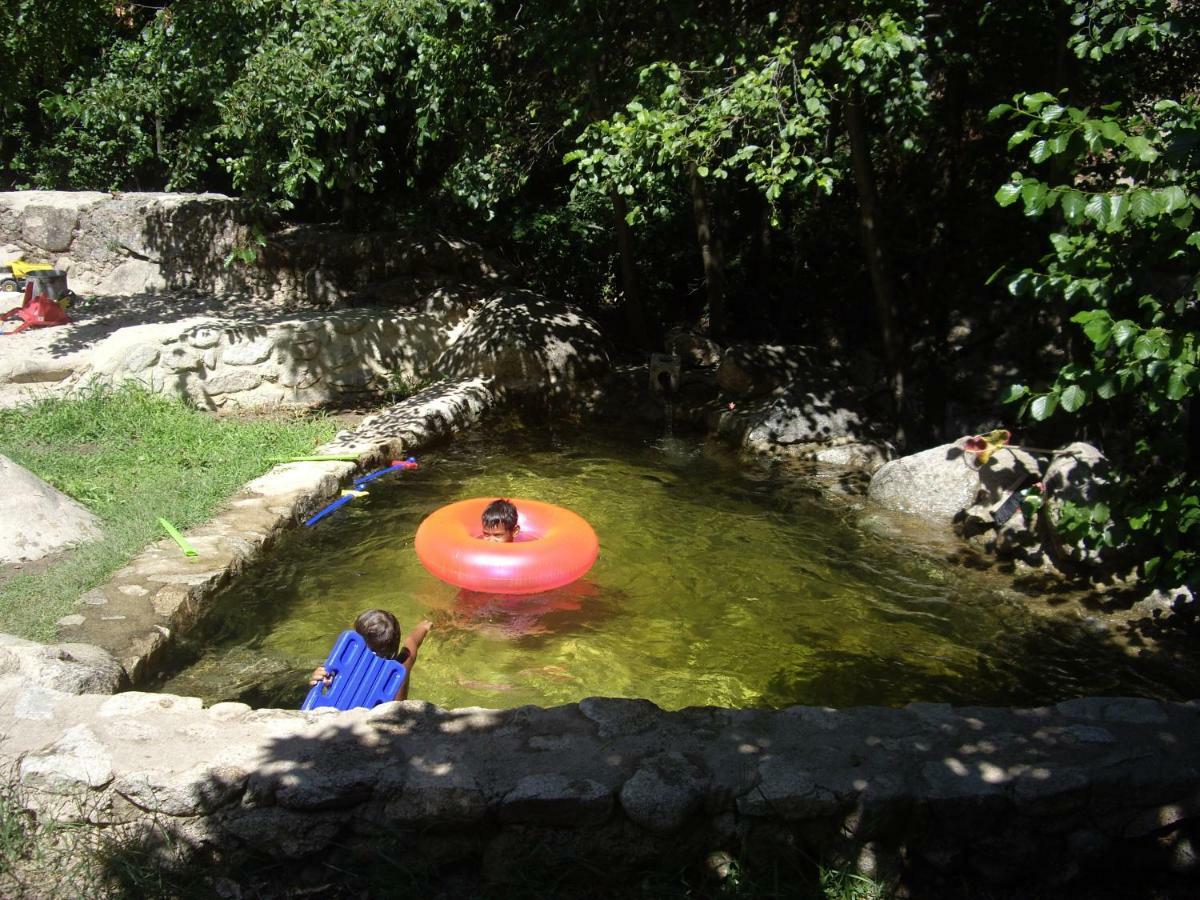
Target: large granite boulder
point(693, 349)
point(752, 370)
point(529, 345)
point(37, 520)
point(813, 417)
point(68, 668)
point(1078, 474)
point(935, 484)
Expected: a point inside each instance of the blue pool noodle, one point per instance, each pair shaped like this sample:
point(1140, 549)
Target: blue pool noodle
point(335, 505)
point(360, 678)
point(410, 463)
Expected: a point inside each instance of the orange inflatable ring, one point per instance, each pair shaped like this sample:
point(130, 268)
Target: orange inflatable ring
point(553, 547)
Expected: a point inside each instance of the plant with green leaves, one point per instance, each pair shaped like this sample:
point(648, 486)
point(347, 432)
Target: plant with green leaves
point(1124, 186)
point(770, 122)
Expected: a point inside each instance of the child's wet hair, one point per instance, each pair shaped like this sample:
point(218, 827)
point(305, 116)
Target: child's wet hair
point(380, 630)
point(500, 513)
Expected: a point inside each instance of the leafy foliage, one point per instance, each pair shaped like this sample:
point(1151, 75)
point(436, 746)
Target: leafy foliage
point(763, 120)
point(538, 124)
point(1125, 188)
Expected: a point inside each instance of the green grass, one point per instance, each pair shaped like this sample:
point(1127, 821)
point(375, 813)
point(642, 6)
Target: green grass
point(130, 456)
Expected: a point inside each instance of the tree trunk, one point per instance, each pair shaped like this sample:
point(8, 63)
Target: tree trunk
point(635, 310)
point(710, 255)
point(873, 245)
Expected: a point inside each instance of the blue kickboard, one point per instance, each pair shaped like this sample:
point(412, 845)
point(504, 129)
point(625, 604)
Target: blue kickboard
point(360, 677)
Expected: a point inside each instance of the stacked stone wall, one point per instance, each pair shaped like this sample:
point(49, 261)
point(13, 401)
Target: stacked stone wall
point(1006, 796)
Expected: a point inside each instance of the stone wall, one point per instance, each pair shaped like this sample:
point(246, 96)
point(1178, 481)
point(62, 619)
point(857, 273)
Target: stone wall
point(125, 244)
point(1001, 795)
point(303, 360)
point(248, 359)
point(132, 244)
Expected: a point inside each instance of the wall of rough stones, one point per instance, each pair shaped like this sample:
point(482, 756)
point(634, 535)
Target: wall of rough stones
point(247, 360)
point(1002, 795)
point(135, 244)
point(303, 360)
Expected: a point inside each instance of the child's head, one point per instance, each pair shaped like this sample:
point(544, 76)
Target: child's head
point(500, 522)
point(380, 630)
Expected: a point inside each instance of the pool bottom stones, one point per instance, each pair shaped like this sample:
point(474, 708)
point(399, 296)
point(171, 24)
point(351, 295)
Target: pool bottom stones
point(1001, 795)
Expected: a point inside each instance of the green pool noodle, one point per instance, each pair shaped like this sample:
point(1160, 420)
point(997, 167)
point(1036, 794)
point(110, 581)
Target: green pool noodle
point(188, 549)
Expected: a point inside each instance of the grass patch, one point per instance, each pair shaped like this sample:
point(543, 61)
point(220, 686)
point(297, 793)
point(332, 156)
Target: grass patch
point(131, 456)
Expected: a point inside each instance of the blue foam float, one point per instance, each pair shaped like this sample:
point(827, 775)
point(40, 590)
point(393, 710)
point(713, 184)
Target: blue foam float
point(360, 678)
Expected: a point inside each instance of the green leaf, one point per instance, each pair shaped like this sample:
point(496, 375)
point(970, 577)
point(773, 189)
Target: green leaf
point(1173, 198)
point(1124, 332)
point(1008, 194)
point(1118, 207)
point(1052, 112)
point(1181, 383)
point(1034, 102)
point(1073, 206)
point(1033, 193)
point(1043, 407)
point(997, 111)
point(1040, 151)
point(1141, 148)
point(1019, 138)
point(1013, 393)
point(1099, 331)
point(1143, 204)
point(1098, 208)
point(1143, 347)
point(1073, 398)
point(1111, 130)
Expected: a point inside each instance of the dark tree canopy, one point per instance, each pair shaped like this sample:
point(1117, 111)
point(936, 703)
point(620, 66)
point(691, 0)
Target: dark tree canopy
point(850, 174)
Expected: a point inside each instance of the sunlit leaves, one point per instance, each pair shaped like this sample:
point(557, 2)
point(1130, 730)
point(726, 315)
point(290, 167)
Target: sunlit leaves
point(1127, 184)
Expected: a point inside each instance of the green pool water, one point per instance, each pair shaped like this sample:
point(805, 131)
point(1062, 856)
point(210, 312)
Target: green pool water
point(719, 582)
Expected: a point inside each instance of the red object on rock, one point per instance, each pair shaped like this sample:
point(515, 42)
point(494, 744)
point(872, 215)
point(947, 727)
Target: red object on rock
point(36, 312)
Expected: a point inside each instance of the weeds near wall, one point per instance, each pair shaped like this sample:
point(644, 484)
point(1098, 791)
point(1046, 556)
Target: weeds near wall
point(400, 386)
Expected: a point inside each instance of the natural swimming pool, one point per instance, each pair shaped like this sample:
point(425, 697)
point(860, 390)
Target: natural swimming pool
point(719, 581)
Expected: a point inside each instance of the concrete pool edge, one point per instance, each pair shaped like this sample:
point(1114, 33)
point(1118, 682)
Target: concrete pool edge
point(1001, 794)
point(161, 593)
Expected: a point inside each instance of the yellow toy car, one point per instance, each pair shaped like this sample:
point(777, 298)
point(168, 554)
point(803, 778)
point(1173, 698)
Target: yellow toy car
point(12, 273)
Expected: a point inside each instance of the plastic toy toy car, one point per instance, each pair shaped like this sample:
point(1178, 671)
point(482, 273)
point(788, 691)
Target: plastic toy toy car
point(13, 273)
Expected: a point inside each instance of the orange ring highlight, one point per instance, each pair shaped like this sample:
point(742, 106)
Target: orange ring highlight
point(554, 547)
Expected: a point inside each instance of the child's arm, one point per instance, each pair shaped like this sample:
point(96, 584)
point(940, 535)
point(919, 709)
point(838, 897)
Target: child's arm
point(319, 674)
point(412, 644)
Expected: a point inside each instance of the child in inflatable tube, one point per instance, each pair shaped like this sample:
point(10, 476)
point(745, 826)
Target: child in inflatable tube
point(499, 522)
point(381, 631)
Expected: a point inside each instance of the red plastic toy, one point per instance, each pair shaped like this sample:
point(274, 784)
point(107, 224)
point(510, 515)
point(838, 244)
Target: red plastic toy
point(36, 312)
